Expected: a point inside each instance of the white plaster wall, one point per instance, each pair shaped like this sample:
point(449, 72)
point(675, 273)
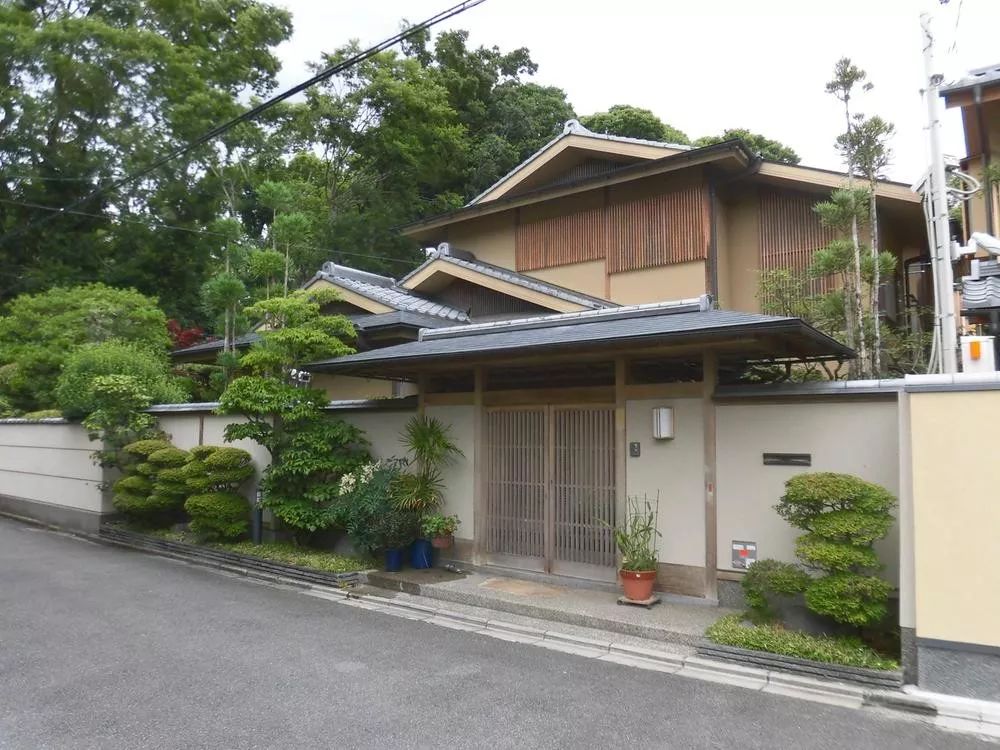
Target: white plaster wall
point(853, 437)
point(50, 463)
point(674, 468)
point(382, 428)
point(459, 477)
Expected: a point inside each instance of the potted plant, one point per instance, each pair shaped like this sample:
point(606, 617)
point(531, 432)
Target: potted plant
point(395, 530)
point(439, 529)
point(636, 542)
point(420, 489)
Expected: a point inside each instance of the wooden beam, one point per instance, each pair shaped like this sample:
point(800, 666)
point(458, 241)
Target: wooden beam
point(478, 466)
point(621, 438)
point(710, 365)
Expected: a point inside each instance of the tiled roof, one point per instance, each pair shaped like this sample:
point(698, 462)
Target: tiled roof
point(642, 323)
point(385, 290)
point(573, 127)
point(978, 77)
point(512, 277)
point(981, 293)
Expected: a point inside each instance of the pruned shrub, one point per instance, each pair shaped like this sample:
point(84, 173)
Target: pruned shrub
point(211, 476)
point(218, 515)
point(768, 580)
point(843, 516)
point(142, 494)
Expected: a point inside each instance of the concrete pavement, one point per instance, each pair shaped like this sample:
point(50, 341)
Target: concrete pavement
point(105, 648)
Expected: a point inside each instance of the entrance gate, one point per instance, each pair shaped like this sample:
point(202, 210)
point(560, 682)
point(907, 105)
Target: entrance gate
point(550, 489)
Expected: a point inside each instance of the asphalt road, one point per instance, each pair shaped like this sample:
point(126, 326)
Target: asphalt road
point(106, 648)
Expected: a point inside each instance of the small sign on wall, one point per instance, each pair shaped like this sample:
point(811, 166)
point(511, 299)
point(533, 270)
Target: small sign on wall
point(744, 554)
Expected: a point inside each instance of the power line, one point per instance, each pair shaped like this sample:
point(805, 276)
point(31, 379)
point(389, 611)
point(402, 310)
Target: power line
point(254, 112)
point(191, 230)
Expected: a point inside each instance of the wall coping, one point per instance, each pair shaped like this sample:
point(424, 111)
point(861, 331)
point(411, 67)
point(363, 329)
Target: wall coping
point(960, 381)
point(889, 387)
point(45, 420)
point(374, 404)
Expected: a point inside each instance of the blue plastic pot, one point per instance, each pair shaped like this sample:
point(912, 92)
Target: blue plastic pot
point(393, 560)
point(421, 554)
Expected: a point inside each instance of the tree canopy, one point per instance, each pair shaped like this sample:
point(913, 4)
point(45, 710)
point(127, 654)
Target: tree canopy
point(763, 146)
point(39, 332)
point(633, 122)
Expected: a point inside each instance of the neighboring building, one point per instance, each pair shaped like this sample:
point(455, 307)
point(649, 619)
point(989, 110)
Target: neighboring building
point(978, 95)
point(633, 221)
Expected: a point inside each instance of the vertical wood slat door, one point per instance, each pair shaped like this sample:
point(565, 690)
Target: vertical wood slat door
point(583, 492)
point(550, 488)
point(516, 487)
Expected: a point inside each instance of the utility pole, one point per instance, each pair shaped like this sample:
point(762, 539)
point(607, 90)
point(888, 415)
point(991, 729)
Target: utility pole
point(945, 322)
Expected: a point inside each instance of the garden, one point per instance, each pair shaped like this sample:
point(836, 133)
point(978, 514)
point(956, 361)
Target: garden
point(832, 606)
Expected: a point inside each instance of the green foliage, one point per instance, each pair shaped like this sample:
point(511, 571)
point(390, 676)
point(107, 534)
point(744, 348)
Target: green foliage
point(436, 524)
point(44, 414)
point(636, 536)
point(767, 579)
point(40, 331)
point(93, 90)
point(430, 446)
point(303, 557)
point(761, 145)
point(850, 598)
point(148, 369)
point(369, 511)
point(116, 417)
point(218, 515)
point(211, 477)
point(633, 122)
point(295, 332)
point(848, 651)
point(142, 494)
point(843, 516)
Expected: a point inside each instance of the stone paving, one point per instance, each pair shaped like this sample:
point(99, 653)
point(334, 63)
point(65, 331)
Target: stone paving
point(675, 619)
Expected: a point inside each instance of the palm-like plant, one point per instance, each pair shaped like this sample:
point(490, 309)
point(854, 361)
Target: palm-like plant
point(430, 447)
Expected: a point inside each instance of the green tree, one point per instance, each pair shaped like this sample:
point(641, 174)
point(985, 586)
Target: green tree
point(93, 89)
point(75, 388)
point(763, 146)
point(39, 331)
point(309, 450)
point(633, 122)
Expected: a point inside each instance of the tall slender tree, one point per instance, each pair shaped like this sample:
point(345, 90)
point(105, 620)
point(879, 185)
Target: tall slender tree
point(847, 77)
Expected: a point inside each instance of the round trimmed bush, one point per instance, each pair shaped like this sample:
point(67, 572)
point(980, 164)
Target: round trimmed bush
point(152, 491)
point(766, 580)
point(218, 515)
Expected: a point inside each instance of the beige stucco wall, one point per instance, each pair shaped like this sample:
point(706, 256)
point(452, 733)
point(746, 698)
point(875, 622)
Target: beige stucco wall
point(459, 477)
point(854, 437)
point(660, 284)
point(382, 427)
point(956, 515)
point(347, 387)
point(588, 277)
point(739, 249)
point(50, 463)
point(675, 469)
point(491, 238)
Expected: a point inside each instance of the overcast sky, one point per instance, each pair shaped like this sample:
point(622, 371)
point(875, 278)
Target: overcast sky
point(705, 65)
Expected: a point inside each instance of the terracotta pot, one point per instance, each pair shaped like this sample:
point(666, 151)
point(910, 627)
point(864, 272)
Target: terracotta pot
point(441, 542)
point(638, 584)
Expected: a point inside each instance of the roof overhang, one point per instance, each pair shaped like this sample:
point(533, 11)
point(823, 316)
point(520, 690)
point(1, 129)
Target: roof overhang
point(646, 330)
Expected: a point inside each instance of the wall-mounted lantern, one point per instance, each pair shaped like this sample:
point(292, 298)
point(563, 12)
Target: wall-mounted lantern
point(663, 423)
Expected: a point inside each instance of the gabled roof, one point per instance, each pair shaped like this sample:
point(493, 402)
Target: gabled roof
point(384, 291)
point(574, 132)
point(453, 262)
point(687, 321)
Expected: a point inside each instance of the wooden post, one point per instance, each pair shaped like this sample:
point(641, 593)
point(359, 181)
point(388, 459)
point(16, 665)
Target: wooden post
point(621, 447)
point(710, 376)
point(478, 467)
